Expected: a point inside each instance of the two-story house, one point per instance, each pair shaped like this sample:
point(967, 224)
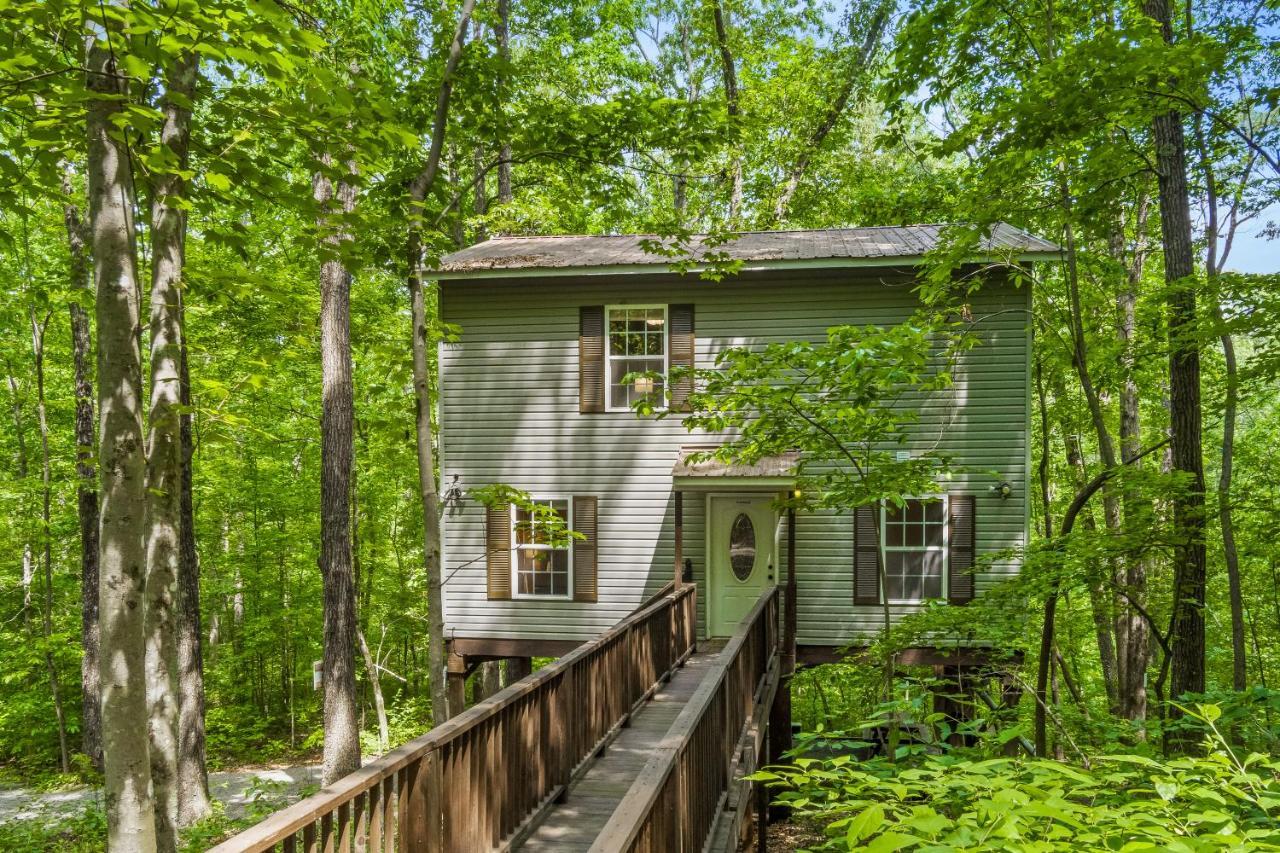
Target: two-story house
point(532, 395)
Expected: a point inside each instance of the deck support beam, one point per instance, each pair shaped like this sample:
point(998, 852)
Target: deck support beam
point(780, 714)
point(456, 682)
point(678, 571)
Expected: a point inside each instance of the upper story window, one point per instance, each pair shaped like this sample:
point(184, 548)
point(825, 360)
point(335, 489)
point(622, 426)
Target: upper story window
point(541, 567)
point(637, 343)
point(915, 550)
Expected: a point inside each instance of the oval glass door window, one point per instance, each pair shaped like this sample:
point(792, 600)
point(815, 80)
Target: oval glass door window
point(742, 546)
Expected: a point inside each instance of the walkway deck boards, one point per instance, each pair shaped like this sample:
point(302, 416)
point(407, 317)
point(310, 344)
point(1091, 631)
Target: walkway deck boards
point(572, 826)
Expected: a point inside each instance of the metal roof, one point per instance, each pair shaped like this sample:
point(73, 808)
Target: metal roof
point(782, 465)
point(552, 255)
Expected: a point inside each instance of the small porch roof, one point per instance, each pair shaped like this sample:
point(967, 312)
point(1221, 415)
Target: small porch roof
point(772, 472)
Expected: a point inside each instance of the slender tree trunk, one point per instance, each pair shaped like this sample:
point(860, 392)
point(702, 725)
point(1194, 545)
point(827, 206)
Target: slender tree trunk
point(728, 69)
point(1097, 590)
point(375, 684)
point(1187, 638)
point(1099, 599)
point(502, 34)
point(854, 74)
point(86, 478)
point(341, 727)
point(28, 558)
point(1230, 554)
point(418, 190)
point(164, 452)
point(46, 538)
point(194, 802)
point(1137, 645)
point(122, 551)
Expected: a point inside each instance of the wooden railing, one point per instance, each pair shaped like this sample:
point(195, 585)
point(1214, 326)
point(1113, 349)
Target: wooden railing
point(692, 786)
point(473, 783)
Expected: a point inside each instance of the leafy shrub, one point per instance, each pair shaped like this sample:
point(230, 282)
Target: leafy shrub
point(83, 832)
point(935, 799)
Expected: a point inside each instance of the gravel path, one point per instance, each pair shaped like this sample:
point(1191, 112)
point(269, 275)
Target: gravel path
point(236, 789)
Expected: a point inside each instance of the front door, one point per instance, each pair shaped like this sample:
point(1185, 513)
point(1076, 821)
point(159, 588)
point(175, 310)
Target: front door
point(740, 562)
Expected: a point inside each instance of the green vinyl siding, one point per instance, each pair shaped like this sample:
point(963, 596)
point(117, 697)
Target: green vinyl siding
point(509, 413)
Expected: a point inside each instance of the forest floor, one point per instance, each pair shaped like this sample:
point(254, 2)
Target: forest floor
point(237, 790)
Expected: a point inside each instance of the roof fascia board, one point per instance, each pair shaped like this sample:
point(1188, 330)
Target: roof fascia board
point(748, 266)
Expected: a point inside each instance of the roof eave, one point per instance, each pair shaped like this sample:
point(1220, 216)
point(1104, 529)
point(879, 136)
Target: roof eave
point(747, 266)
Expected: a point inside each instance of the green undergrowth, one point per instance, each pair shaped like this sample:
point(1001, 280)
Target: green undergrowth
point(930, 797)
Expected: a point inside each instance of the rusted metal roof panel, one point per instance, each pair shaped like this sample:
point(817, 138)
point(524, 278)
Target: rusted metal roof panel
point(750, 247)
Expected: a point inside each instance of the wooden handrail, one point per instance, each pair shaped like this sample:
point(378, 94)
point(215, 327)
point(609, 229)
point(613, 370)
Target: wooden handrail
point(470, 783)
point(675, 801)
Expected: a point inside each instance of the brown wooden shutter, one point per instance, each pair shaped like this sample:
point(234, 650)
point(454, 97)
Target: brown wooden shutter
point(866, 545)
point(680, 338)
point(497, 535)
point(961, 547)
point(584, 550)
point(591, 338)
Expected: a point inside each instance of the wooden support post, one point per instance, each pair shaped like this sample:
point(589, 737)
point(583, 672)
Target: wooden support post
point(679, 544)
point(762, 818)
point(780, 714)
point(456, 685)
point(517, 668)
point(789, 638)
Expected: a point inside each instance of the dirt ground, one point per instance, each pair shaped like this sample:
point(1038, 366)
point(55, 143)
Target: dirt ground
point(787, 837)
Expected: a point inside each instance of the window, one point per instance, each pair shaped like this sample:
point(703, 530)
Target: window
point(915, 549)
point(540, 568)
point(637, 344)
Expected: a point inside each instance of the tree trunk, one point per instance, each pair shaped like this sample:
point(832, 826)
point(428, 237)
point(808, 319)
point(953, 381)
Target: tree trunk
point(86, 479)
point(46, 539)
point(1136, 648)
point(341, 728)
point(1230, 554)
point(28, 558)
point(852, 77)
point(1097, 591)
point(502, 34)
point(194, 803)
point(122, 552)
point(375, 684)
point(728, 70)
point(418, 190)
point(1187, 639)
point(164, 451)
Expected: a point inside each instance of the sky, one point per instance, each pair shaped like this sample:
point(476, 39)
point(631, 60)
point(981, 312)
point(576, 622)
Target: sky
point(1252, 252)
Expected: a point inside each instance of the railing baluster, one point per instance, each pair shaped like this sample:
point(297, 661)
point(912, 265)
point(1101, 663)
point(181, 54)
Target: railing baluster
point(472, 781)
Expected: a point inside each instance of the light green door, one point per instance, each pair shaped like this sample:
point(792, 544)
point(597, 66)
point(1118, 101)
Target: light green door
point(740, 560)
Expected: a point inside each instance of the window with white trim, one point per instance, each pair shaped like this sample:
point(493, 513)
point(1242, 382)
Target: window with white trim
point(541, 566)
point(637, 343)
point(914, 539)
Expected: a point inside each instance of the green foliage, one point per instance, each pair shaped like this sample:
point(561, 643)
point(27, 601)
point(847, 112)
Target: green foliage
point(83, 832)
point(837, 401)
point(931, 798)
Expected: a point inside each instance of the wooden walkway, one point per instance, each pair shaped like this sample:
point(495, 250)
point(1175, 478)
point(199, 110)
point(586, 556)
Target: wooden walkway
point(573, 825)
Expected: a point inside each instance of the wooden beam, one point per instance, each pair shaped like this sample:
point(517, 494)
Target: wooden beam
point(789, 639)
point(679, 545)
point(494, 648)
point(815, 655)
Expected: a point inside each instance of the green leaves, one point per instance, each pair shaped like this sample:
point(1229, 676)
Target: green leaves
point(953, 802)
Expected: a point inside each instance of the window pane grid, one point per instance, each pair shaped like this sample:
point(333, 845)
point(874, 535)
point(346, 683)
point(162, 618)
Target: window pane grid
point(541, 568)
point(637, 344)
point(914, 547)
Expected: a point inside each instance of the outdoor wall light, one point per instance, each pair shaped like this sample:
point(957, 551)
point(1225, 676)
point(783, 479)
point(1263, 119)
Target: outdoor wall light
point(452, 497)
point(1003, 491)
